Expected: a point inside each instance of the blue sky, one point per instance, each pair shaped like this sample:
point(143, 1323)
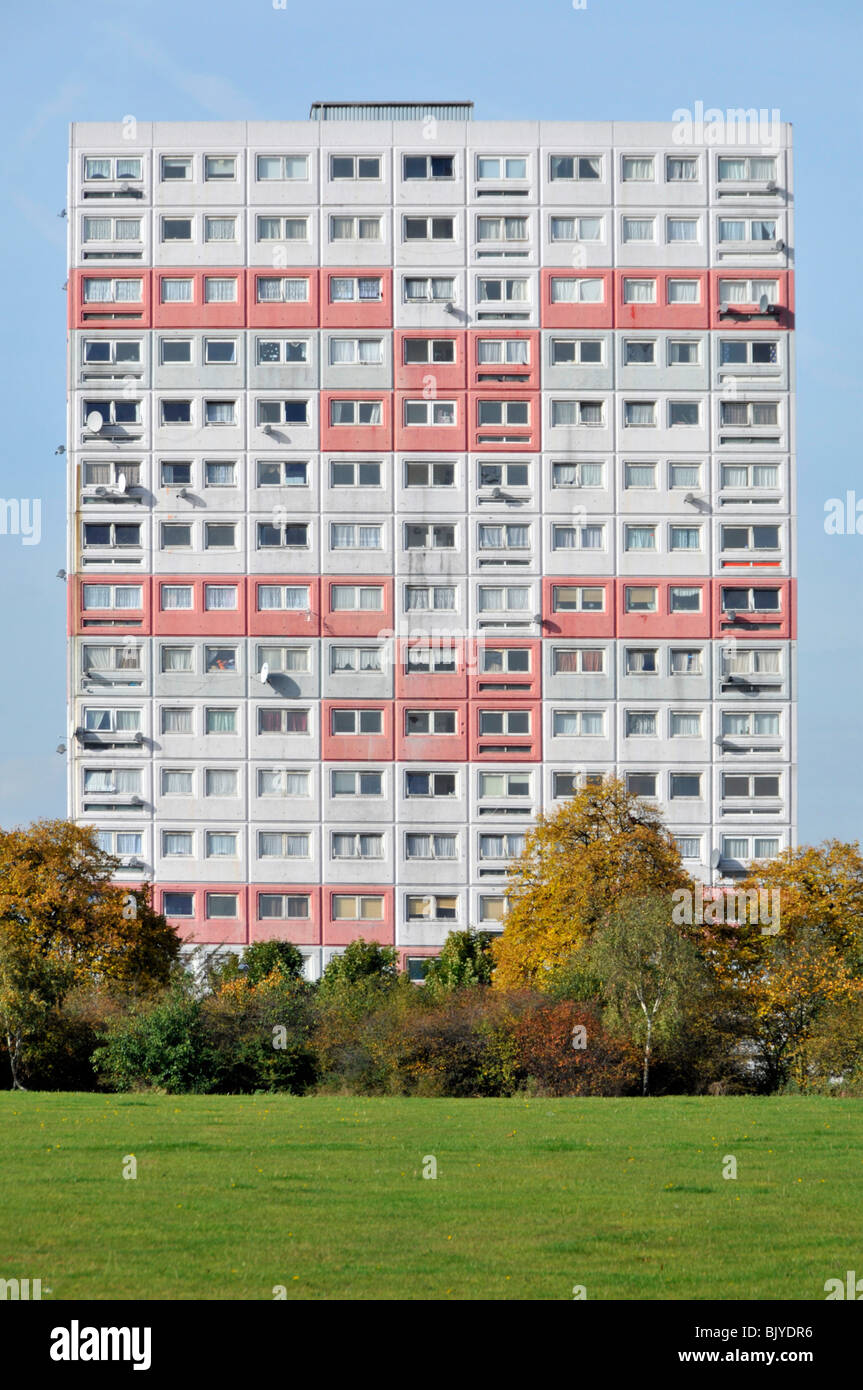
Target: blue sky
point(614, 60)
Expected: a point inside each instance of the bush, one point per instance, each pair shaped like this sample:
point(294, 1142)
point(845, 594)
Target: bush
point(549, 1058)
point(164, 1046)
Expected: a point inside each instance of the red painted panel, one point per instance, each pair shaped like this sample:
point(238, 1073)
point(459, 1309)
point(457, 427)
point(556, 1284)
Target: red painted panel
point(507, 684)
point(135, 314)
point(357, 438)
point(420, 687)
point(199, 621)
point(340, 931)
point(781, 624)
point(519, 747)
point(496, 377)
point(598, 624)
point(283, 622)
point(431, 748)
point(292, 313)
point(197, 313)
point(661, 314)
point(200, 928)
point(357, 748)
point(95, 621)
point(447, 376)
point(576, 315)
point(431, 438)
point(503, 438)
point(663, 623)
point(784, 318)
point(302, 931)
point(357, 313)
point(353, 622)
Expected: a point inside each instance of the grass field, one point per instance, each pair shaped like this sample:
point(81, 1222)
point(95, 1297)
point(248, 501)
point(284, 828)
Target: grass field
point(326, 1196)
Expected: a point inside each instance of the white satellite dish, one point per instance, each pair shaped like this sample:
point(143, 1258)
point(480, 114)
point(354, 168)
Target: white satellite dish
point(121, 483)
point(95, 422)
point(265, 673)
point(715, 859)
point(763, 304)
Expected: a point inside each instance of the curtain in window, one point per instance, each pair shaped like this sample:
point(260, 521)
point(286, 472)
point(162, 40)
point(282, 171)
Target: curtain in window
point(176, 783)
point(220, 412)
point(127, 720)
point(220, 721)
point(342, 535)
point(565, 538)
point(640, 538)
point(763, 475)
point(565, 474)
point(176, 658)
point(295, 229)
point(639, 412)
point(735, 847)
point(221, 782)
point(294, 291)
point(176, 291)
point(441, 288)
point(176, 842)
point(591, 537)
point(733, 292)
point(99, 781)
point(765, 663)
point(639, 663)
point(491, 847)
point(369, 287)
point(679, 169)
point(762, 168)
point(127, 596)
point(491, 600)
point(129, 843)
point(269, 290)
point(563, 229)
point(445, 846)
point(370, 412)
point(641, 723)
point(221, 845)
point(97, 291)
point(638, 228)
point(567, 723)
point(341, 350)
point(685, 538)
point(98, 229)
point(219, 291)
point(370, 660)
point(369, 351)
point(296, 846)
point(295, 721)
point(731, 230)
point(176, 721)
point(269, 845)
point(639, 291)
point(418, 846)
point(269, 229)
point(369, 229)
point(566, 663)
point(686, 725)
point(683, 291)
point(220, 228)
point(97, 596)
point(592, 661)
point(638, 168)
point(564, 413)
point(369, 537)
point(417, 599)
point(764, 413)
point(490, 537)
point(681, 229)
point(568, 291)
point(218, 598)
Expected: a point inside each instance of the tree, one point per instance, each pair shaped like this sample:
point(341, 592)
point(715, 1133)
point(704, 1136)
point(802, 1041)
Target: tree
point(601, 846)
point(465, 959)
point(361, 963)
point(820, 888)
point(259, 961)
point(63, 922)
point(647, 968)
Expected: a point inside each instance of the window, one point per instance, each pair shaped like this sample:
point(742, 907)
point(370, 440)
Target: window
point(283, 721)
point(430, 660)
point(758, 724)
point(221, 781)
point(431, 166)
point(282, 289)
point(499, 661)
point(640, 723)
point(113, 721)
point(417, 351)
point(286, 536)
point(572, 413)
point(582, 661)
point(503, 475)
point(433, 289)
point(282, 166)
point(178, 844)
point(351, 536)
point(492, 909)
point(419, 783)
point(637, 169)
point(580, 352)
point(111, 596)
point(348, 166)
point(765, 785)
point(176, 229)
point(220, 413)
point(175, 412)
point(220, 659)
point(640, 598)
point(741, 352)
point(437, 908)
point(684, 786)
point(219, 166)
point(750, 476)
point(111, 229)
point(441, 846)
point(293, 598)
point(428, 721)
point(749, 414)
point(679, 170)
point(220, 351)
point(103, 290)
point(277, 350)
point(283, 228)
point(176, 290)
point(748, 291)
point(586, 475)
point(683, 291)
point(641, 661)
point(684, 538)
point(568, 783)
point(504, 784)
point(359, 660)
point(356, 412)
point(291, 660)
point(358, 908)
point(508, 291)
point(366, 474)
point(575, 228)
point(221, 905)
point(578, 537)
point(220, 845)
point(639, 291)
point(108, 167)
point(745, 229)
point(569, 166)
point(577, 723)
point(419, 536)
point(344, 783)
point(501, 167)
point(175, 536)
point(504, 721)
point(176, 168)
point(283, 905)
point(685, 724)
point(500, 537)
point(639, 537)
point(355, 228)
point(639, 229)
point(750, 600)
point(507, 598)
point(348, 845)
point(639, 475)
point(176, 721)
point(576, 289)
point(114, 535)
point(684, 600)
point(756, 169)
point(501, 229)
point(429, 598)
point(360, 352)
point(689, 846)
point(356, 598)
point(683, 413)
point(220, 721)
point(503, 352)
point(219, 597)
point(683, 353)
point(175, 351)
point(681, 229)
point(355, 287)
point(219, 474)
point(120, 843)
point(741, 847)
point(279, 844)
point(99, 351)
point(684, 662)
point(641, 783)
point(750, 538)
point(501, 846)
point(178, 904)
point(282, 781)
point(639, 414)
point(686, 475)
point(356, 721)
point(567, 598)
point(430, 413)
point(219, 289)
point(428, 228)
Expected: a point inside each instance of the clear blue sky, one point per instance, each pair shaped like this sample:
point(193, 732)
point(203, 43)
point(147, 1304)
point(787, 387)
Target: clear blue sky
point(614, 60)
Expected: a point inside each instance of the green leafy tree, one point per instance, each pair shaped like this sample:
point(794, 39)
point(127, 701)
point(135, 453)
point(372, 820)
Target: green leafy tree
point(465, 959)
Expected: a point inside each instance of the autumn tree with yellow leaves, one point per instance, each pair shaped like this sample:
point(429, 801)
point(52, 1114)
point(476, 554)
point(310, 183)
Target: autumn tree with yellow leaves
point(64, 923)
point(603, 846)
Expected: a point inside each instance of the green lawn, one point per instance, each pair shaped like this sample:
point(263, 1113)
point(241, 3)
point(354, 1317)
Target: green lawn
point(235, 1195)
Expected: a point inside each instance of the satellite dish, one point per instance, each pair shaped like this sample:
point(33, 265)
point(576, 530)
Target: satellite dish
point(715, 859)
point(121, 483)
point(95, 421)
point(265, 673)
point(763, 304)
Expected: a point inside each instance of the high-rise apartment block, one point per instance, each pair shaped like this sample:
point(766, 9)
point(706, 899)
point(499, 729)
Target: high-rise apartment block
point(422, 469)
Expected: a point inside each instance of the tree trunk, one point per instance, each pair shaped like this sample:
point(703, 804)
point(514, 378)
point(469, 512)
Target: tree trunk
point(13, 1046)
point(646, 1057)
